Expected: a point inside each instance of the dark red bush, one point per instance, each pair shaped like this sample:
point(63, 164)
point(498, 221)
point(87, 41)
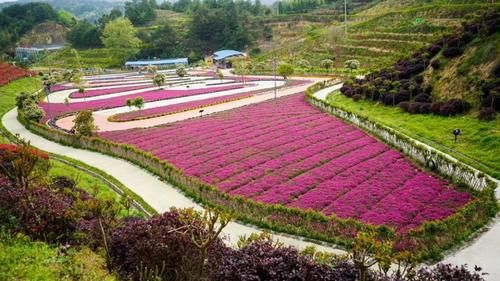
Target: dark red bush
point(435, 107)
point(425, 108)
point(356, 97)
point(155, 243)
point(447, 109)
point(460, 106)
point(448, 272)
point(451, 52)
point(40, 213)
point(434, 49)
point(404, 106)
point(264, 262)
point(436, 64)
point(414, 108)
point(389, 99)
point(423, 98)
point(487, 113)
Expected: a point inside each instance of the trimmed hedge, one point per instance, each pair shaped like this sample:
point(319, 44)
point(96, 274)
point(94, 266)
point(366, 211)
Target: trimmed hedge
point(310, 224)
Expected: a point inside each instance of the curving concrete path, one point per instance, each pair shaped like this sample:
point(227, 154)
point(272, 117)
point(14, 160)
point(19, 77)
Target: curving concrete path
point(101, 117)
point(483, 250)
point(157, 193)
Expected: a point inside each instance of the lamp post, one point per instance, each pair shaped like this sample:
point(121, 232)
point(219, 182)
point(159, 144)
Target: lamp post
point(275, 63)
point(201, 112)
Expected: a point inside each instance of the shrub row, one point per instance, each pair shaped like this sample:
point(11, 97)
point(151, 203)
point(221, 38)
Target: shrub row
point(404, 83)
point(309, 224)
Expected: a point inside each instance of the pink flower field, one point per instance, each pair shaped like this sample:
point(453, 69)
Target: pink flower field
point(287, 152)
point(175, 108)
point(96, 93)
point(149, 96)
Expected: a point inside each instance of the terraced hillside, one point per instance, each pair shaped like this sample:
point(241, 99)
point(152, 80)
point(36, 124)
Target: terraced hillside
point(377, 36)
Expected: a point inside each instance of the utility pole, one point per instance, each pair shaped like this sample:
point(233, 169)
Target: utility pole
point(275, 62)
point(345, 17)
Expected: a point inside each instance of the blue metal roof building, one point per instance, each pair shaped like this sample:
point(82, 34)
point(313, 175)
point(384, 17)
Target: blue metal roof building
point(224, 54)
point(161, 63)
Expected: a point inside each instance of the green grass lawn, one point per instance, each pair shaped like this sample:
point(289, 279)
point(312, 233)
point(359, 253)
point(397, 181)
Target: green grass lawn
point(22, 259)
point(478, 145)
point(85, 181)
point(90, 184)
point(8, 95)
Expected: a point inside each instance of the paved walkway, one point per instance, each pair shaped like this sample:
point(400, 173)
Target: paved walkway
point(158, 194)
point(101, 117)
point(483, 250)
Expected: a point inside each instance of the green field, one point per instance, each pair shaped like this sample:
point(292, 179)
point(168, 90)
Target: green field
point(22, 259)
point(478, 145)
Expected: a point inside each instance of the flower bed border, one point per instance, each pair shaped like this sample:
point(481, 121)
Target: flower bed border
point(427, 242)
point(427, 156)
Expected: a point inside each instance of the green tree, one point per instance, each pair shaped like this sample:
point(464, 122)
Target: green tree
point(180, 70)
point(129, 103)
point(327, 63)
point(164, 42)
point(152, 69)
point(32, 111)
point(351, 64)
point(159, 80)
point(84, 124)
point(104, 19)
point(66, 18)
point(303, 63)
point(81, 90)
point(286, 70)
point(120, 36)
point(220, 75)
point(139, 102)
point(204, 229)
point(84, 35)
point(140, 11)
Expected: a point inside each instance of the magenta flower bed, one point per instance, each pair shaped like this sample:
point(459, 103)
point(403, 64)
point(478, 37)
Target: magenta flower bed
point(95, 93)
point(149, 96)
point(60, 87)
point(118, 81)
point(287, 152)
point(174, 108)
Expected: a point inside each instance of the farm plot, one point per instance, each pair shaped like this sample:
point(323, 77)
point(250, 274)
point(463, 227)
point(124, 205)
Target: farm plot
point(289, 153)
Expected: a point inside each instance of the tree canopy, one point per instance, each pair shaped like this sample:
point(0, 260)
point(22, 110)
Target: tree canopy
point(84, 35)
point(140, 11)
point(120, 36)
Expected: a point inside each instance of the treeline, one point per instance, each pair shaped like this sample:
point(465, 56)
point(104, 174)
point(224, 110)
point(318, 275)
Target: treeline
point(214, 25)
point(17, 20)
point(249, 7)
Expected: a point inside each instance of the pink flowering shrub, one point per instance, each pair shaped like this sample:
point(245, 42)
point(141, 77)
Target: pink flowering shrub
point(289, 153)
